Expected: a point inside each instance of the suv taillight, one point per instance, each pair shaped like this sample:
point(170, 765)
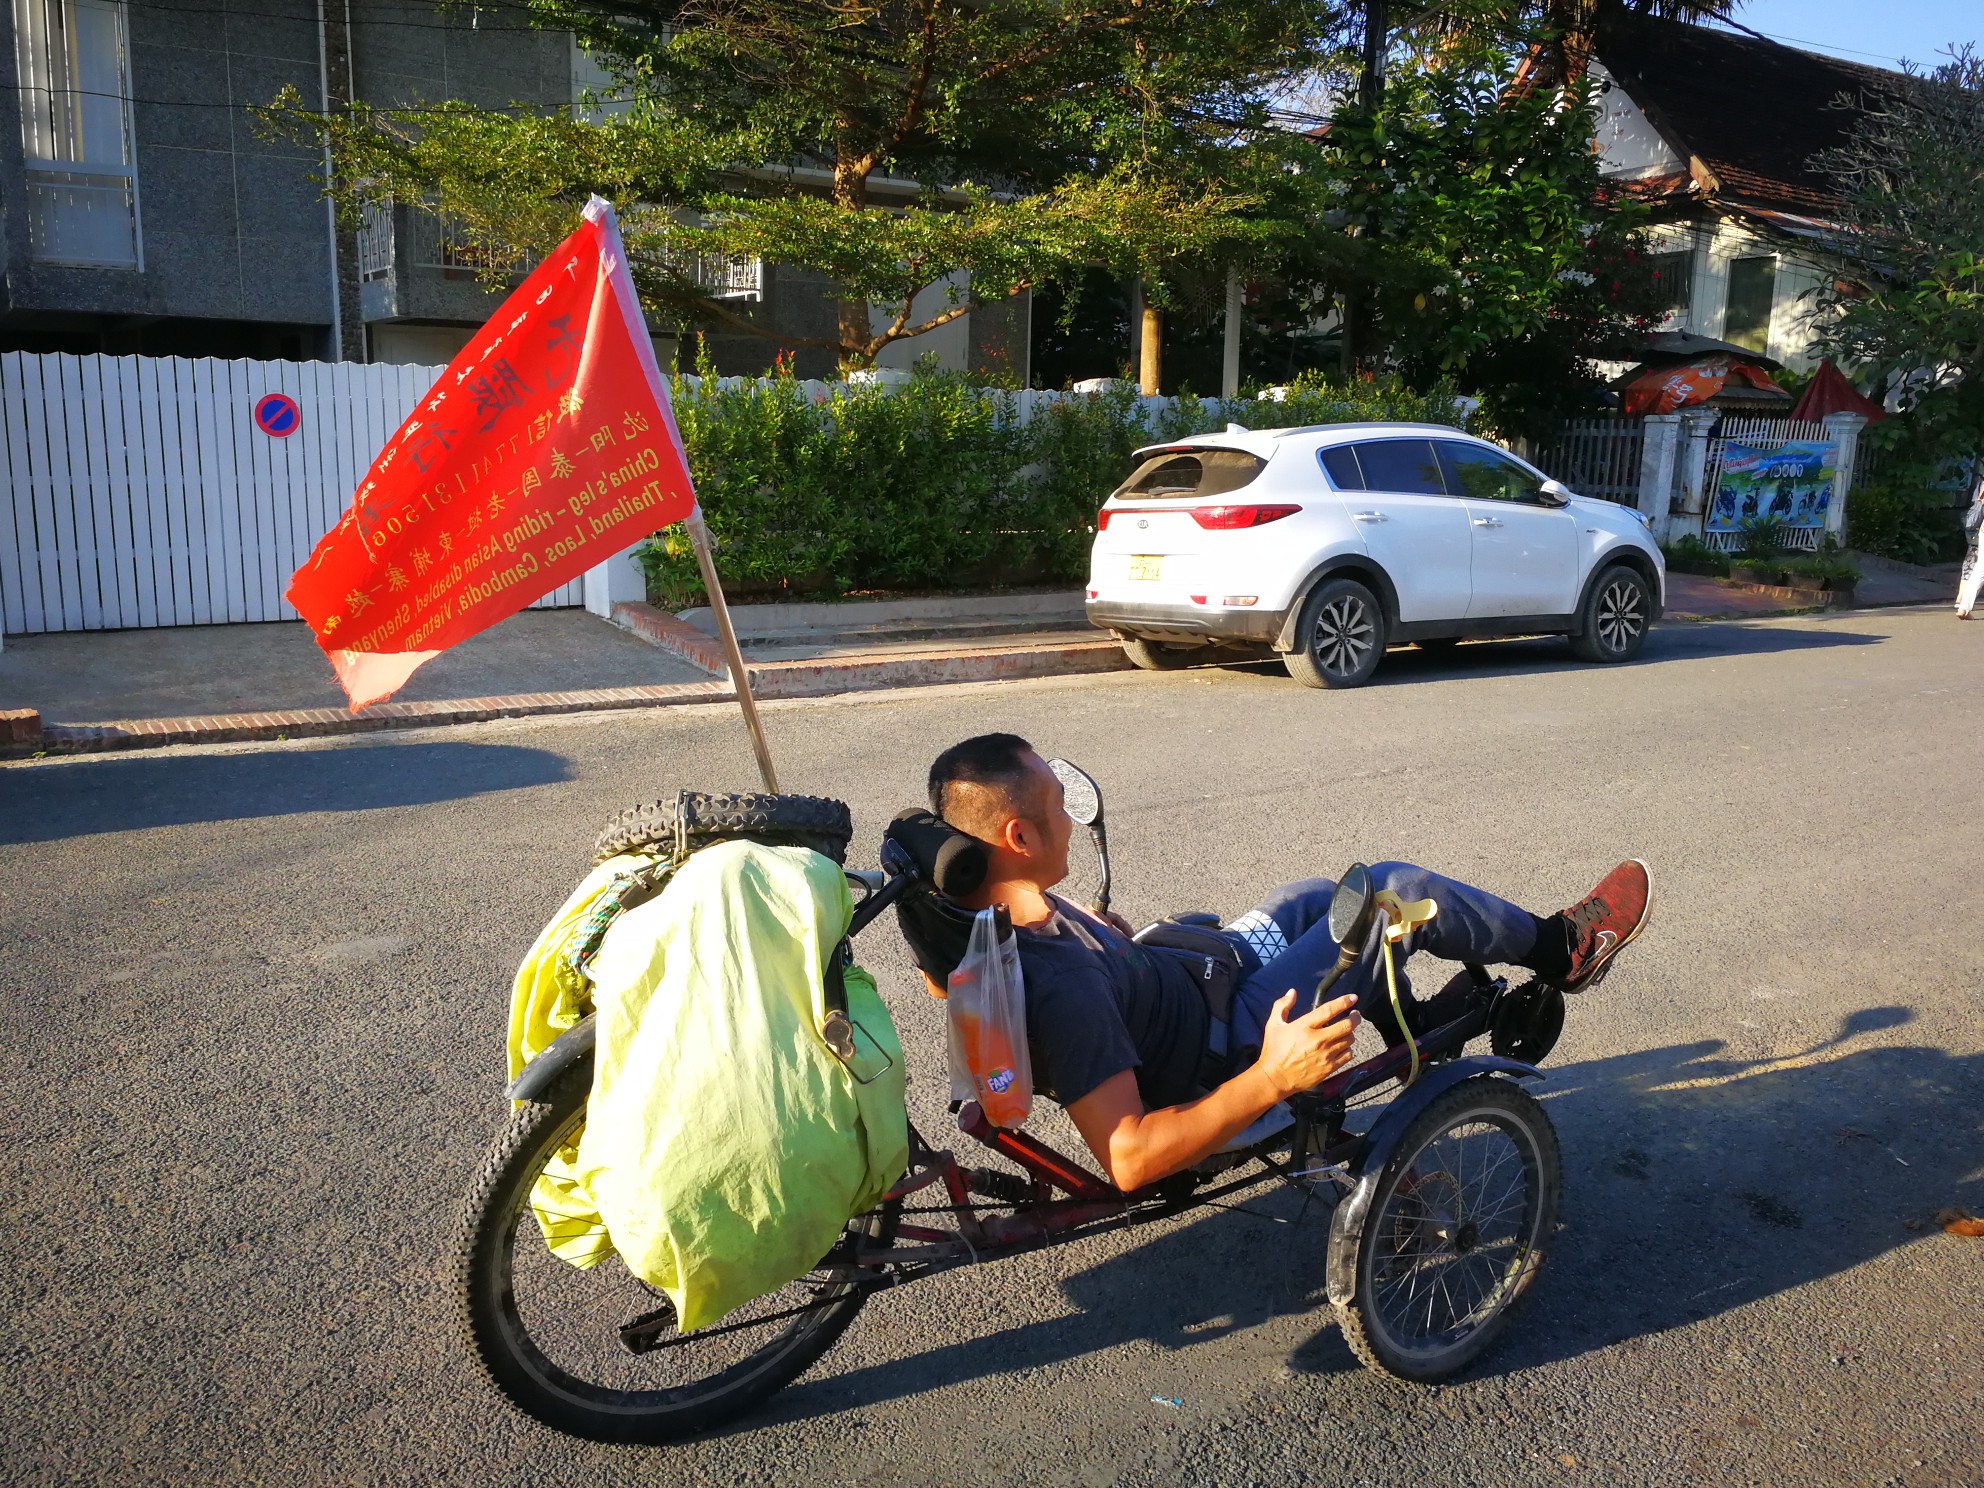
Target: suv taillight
point(1224, 518)
point(1102, 519)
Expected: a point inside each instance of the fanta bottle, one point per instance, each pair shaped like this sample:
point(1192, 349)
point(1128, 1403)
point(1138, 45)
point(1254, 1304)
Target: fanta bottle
point(988, 1053)
point(990, 1061)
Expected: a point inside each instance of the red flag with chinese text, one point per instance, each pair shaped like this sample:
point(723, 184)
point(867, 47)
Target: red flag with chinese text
point(546, 447)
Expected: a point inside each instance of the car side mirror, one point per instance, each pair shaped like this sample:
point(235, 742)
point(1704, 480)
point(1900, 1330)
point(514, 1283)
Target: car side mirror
point(1554, 493)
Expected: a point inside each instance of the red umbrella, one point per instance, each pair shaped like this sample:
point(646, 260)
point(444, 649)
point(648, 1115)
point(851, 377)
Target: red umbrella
point(1830, 392)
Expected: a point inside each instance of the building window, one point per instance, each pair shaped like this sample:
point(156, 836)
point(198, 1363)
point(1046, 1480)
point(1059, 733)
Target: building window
point(1752, 286)
point(75, 89)
point(1673, 282)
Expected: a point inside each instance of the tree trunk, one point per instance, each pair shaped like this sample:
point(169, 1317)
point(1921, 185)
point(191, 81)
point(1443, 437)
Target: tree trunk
point(855, 328)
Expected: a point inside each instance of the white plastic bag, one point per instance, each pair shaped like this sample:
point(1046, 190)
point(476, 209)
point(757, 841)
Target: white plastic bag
point(990, 1061)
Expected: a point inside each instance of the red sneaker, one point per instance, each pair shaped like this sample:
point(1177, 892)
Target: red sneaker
point(1606, 921)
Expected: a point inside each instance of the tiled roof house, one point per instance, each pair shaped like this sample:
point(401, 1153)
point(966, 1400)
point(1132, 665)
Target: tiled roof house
point(1716, 132)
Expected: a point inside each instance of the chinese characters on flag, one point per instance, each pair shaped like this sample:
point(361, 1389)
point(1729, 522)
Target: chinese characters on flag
point(547, 447)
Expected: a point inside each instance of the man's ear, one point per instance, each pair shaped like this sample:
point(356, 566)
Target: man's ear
point(1017, 836)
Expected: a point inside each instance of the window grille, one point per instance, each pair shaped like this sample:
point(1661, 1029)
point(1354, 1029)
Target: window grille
point(375, 240)
point(72, 57)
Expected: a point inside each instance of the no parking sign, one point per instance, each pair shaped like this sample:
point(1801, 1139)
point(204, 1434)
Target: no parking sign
point(277, 416)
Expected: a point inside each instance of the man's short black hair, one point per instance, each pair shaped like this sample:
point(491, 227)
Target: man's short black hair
point(996, 761)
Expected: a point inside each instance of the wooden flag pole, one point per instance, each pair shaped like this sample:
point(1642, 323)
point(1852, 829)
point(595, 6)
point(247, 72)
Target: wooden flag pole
point(699, 538)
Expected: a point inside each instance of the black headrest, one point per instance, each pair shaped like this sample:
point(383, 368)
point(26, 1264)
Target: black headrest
point(953, 863)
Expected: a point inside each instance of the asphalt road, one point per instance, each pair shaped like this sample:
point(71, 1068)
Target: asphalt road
point(252, 1047)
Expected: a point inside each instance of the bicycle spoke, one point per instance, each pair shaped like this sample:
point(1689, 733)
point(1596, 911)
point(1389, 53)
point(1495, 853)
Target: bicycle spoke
point(1451, 1229)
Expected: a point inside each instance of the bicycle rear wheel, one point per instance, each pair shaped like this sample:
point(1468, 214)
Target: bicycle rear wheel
point(1455, 1233)
point(595, 1352)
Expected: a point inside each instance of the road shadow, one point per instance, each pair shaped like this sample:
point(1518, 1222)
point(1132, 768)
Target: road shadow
point(1708, 1181)
point(48, 802)
point(1673, 641)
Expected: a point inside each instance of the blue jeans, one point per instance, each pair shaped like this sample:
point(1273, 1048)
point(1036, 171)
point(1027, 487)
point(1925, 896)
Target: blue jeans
point(1285, 943)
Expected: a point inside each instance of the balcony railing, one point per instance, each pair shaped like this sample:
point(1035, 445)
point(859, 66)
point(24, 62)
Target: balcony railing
point(729, 276)
point(440, 242)
point(375, 241)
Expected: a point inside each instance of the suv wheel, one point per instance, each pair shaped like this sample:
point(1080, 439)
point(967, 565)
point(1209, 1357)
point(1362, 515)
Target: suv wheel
point(1616, 614)
point(1341, 636)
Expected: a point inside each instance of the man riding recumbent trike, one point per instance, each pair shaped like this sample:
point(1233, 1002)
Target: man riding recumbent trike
point(1196, 1060)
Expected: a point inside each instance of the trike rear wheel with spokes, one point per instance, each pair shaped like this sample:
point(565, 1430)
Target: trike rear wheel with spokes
point(1456, 1231)
point(594, 1352)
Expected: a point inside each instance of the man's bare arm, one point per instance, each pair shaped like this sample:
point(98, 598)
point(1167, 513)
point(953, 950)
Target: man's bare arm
point(1136, 1146)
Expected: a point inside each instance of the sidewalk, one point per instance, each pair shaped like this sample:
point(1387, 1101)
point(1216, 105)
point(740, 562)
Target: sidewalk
point(1883, 584)
point(110, 690)
point(208, 684)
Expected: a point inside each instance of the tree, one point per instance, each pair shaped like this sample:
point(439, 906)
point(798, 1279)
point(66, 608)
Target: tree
point(1912, 226)
point(1039, 132)
point(1486, 249)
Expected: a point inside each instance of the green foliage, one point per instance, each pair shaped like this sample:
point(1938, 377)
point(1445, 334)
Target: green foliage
point(1828, 569)
point(935, 484)
point(1484, 249)
point(1899, 514)
point(1913, 222)
point(1043, 137)
point(1690, 555)
point(1762, 537)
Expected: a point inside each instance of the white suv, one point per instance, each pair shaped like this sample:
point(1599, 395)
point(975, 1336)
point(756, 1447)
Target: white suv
point(1328, 544)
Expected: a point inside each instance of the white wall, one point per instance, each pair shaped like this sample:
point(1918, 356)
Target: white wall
point(951, 343)
point(1628, 145)
point(1718, 241)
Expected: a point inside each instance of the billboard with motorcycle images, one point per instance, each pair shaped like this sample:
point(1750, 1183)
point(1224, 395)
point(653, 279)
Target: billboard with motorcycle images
point(1793, 483)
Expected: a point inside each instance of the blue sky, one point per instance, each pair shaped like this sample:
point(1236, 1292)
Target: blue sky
point(1877, 32)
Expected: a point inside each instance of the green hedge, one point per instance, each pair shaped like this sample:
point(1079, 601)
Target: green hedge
point(934, 484)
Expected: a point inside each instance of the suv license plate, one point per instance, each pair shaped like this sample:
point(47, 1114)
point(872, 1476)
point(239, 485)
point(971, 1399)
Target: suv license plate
point(1145, 566)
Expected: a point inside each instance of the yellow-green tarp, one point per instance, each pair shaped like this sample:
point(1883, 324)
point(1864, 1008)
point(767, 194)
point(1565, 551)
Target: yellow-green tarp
point(725, 1147)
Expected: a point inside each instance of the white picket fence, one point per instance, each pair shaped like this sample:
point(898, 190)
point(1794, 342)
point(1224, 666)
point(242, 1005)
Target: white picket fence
point(139, 493)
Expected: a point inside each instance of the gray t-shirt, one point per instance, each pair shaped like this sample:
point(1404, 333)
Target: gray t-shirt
point(1097, 1004)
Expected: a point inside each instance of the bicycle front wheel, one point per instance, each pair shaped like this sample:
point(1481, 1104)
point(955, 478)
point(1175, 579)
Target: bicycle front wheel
point(1456, 1231)
point(595, 1352)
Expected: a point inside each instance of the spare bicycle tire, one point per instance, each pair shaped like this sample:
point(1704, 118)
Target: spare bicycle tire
point(690, 820)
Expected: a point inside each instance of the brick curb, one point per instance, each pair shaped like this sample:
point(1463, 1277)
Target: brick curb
point(310, 723)
point(659, 628)
point(786, 679)
point(964, 662)
point(23, 732)
point(1810, 598)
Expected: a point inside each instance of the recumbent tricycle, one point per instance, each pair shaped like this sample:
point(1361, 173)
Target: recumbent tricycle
point(1444, 1205)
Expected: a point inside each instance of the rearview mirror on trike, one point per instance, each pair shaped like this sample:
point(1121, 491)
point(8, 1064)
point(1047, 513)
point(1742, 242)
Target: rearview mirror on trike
point(1080, 795)
point(1351, 906)
point(1081, 798)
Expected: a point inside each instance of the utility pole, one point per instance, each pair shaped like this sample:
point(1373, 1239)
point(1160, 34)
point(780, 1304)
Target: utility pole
point(1229, 369)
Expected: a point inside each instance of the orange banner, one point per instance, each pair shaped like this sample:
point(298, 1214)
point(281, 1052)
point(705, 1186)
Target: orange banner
point(546, 447)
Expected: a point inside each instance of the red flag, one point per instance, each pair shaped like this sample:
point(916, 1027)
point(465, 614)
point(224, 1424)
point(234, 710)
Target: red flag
point(546, 447)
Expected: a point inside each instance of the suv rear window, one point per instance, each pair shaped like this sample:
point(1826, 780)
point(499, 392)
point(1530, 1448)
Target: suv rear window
point(1172, 473)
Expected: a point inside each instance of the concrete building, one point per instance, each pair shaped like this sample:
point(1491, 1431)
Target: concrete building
point(145, 209)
